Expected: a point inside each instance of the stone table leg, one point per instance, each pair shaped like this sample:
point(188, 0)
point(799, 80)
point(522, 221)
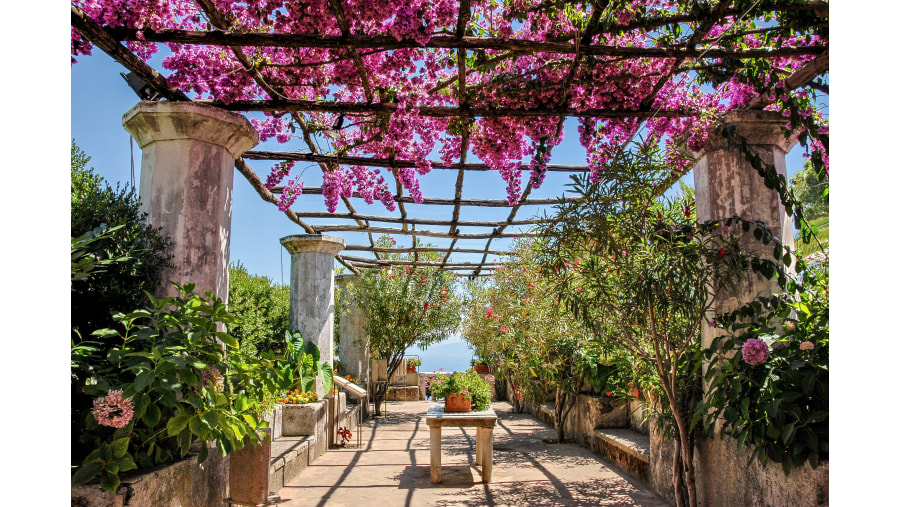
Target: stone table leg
point(435, 454)
point(487, 454)
point(478, 447)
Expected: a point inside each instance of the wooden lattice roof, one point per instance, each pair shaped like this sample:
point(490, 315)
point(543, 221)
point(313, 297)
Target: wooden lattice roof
point(575, 48)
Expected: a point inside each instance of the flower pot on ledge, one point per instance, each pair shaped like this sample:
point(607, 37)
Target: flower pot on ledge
point(457, 403)
point(410, 369)
point(482, 368)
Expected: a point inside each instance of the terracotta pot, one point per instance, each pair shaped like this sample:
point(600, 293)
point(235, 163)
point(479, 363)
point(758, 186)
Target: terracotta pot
point(410, 369)
point(457, 403)
point(482, 368)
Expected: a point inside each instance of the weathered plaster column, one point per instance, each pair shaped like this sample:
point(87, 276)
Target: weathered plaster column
point(187, 170)
point(727, 185)
point(312, 290)
point(353, 345)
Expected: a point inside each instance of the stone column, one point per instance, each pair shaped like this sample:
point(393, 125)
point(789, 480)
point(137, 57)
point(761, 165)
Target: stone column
point(312, 290)
point(187, 170)
point(727, 185)
point(353, 345)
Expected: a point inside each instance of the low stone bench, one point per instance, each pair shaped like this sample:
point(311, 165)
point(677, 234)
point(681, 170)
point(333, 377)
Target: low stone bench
point(626, 448)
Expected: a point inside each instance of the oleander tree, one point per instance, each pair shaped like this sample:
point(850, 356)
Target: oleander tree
point(540, 349)
point(405, 306)
point(399, 80)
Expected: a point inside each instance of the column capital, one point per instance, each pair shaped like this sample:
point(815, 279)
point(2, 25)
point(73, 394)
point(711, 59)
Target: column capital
point(759, 128)
point(149, 122)
point(313, 243)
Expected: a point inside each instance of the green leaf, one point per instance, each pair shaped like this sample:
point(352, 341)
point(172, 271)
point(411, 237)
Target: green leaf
point(120, 447)
point(787, 432)
point(93, 457)
point(126, 463)
point(109, 482)
point(106, 333)
point(143, 379)
point(227, 339)
point(177, 424)
point(152, 415)
point(87, 472)
point(241, 403)
point(327, 373)
point(197, 426)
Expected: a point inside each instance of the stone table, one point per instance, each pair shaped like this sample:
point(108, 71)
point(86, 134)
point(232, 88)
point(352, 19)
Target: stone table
point(484, 421)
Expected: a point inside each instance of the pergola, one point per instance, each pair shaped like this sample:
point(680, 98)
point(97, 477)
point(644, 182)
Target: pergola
point(311, 80)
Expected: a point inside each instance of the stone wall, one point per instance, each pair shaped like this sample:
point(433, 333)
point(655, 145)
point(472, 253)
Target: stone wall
point(182, 484)
point(725, 476)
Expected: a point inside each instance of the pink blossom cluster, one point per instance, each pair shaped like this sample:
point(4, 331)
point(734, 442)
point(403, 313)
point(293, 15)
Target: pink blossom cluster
point(112, 410)
point(755, 352)
point(417, 77)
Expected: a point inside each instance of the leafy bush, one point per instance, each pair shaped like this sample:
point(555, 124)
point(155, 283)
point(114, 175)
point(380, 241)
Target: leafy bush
point(142, 250)
point(116, 257)
point(776, 399)
point(467, 384)
point(262, 310)
point(168, 385)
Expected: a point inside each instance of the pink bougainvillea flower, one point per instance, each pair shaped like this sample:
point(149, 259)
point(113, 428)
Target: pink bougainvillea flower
point(504, 329)
point(755, 352)
point(113, 411)
point(807, 345)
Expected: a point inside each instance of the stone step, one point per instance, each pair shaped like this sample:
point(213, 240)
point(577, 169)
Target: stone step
point(626, 448)
point(290, 455)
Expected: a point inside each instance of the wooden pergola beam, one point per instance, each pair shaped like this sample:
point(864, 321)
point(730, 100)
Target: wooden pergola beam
point(438, 201)
point(417, 221)
point(384, 162)
point(431, 234)
point(366, 248)
point(298, 41)
point(356, 108)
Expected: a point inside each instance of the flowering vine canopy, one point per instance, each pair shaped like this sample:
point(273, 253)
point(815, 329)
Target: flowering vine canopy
point(395, 81)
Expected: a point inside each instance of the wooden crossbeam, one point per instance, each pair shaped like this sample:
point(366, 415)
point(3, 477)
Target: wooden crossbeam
point(438, 201)
point(417, 221)
point(354, 108)
point(289, 40)
point(366, 248)
point(384, 162)
point(393, 262)
point(431, 234)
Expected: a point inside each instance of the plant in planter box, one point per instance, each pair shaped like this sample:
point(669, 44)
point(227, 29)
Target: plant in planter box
point(480, 366)
point(467, 384)
point(411, 364)
point(167, 385)
point(300, 365)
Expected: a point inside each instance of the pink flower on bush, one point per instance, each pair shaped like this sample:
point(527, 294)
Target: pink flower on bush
point(113, 411)
point(807, 345)
point(489, 378)
point(755, 352)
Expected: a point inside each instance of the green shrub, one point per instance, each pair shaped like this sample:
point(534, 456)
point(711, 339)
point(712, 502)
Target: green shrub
point(169, 385)
point(467, 384)
point(121, 286)
point(262, 310)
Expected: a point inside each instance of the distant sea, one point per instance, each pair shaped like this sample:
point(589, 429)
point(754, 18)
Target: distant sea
point(452, 354)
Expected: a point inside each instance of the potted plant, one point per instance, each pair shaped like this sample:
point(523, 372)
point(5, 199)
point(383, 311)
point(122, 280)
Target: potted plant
point(481, 366)
point(462, 391)
point(411, 364)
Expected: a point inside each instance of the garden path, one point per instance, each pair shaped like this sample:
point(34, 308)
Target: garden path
point(392, 469)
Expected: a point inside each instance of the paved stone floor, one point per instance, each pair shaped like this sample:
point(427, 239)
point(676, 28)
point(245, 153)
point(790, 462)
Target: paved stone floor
point(393, 468)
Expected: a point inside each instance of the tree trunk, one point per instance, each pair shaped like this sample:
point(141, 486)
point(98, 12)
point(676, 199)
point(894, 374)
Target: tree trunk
point(677, 481)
